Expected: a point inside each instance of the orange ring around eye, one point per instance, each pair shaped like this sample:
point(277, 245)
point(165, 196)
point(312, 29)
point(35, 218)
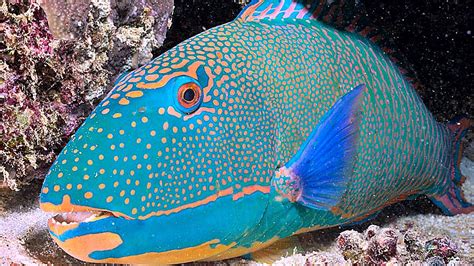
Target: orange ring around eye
point(189, 94)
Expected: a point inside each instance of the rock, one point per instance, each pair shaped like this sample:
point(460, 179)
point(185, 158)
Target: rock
point(443, 248)
point(435, 261)
point(413, 245)
point(371, 231)
point(52, 77)
point(67, 19)
point(351, 244)
point(382, 247)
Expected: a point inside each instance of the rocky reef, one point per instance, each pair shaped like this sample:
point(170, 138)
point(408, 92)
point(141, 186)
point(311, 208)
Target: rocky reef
point(58, 59)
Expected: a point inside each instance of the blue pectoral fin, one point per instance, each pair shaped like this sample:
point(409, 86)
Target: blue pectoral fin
point(317, 175)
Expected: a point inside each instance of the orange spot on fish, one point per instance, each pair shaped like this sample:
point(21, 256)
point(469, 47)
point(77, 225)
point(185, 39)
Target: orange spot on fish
point(134, 94)
point(173, 112)
point(124, 101)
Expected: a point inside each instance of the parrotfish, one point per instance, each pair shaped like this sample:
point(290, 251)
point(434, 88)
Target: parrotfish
point(274, 124)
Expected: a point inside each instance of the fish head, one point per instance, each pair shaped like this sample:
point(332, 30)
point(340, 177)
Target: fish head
point(158, 172)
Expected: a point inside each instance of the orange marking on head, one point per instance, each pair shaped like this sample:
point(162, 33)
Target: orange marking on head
point(199, 111)
point(211, 81)
point(152, 77)
point(136, 79)
point(82, 246)
point(251, 190)
point(218, 70)
point(164, 70)
point(173, 112)
point(180, 65)
point(153, 69)
point(212, 198)
point(124, 101)
point(134, 94)
point(129, 87)
point(222, 80)
point(191, 72)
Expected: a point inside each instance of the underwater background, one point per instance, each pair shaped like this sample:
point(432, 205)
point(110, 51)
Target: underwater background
point(42, 103)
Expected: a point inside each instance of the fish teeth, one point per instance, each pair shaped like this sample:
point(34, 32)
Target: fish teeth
point(90, 218)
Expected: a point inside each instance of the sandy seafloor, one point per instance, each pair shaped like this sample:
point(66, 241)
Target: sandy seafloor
point(24, 237)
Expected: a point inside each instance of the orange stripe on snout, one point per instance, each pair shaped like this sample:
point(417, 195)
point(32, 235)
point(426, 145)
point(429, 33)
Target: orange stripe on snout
point(225, 192)
point(205, 201)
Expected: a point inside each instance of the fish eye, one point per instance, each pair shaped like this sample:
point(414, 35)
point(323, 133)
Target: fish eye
point(189, 96)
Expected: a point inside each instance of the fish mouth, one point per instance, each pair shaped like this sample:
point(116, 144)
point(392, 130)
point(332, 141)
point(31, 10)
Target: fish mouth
point(65, 221)
point(68, 218)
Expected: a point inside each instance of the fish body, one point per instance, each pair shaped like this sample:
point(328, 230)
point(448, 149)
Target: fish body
point(265, 127)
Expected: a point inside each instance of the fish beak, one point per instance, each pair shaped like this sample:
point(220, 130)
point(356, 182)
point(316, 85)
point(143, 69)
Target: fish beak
point(69, 226)
point(69, 216)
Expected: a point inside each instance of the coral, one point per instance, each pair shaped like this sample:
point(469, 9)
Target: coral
point(443, 248)
point(382, 247)
point(413, 245)
point(376, 246)
point(371, 231)
point(48, 86)
point(351, 243)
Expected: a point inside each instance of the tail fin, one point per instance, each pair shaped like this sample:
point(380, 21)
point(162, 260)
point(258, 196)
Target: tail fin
point(453, 201)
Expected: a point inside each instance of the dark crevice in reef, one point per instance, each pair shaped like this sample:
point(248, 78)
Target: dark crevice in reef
point(193, 17)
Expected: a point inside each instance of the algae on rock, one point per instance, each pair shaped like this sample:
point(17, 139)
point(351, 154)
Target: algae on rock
point(50, 82)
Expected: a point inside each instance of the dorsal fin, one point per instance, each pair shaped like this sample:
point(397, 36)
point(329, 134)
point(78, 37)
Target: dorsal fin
point(347, 15)
point(334, 12)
